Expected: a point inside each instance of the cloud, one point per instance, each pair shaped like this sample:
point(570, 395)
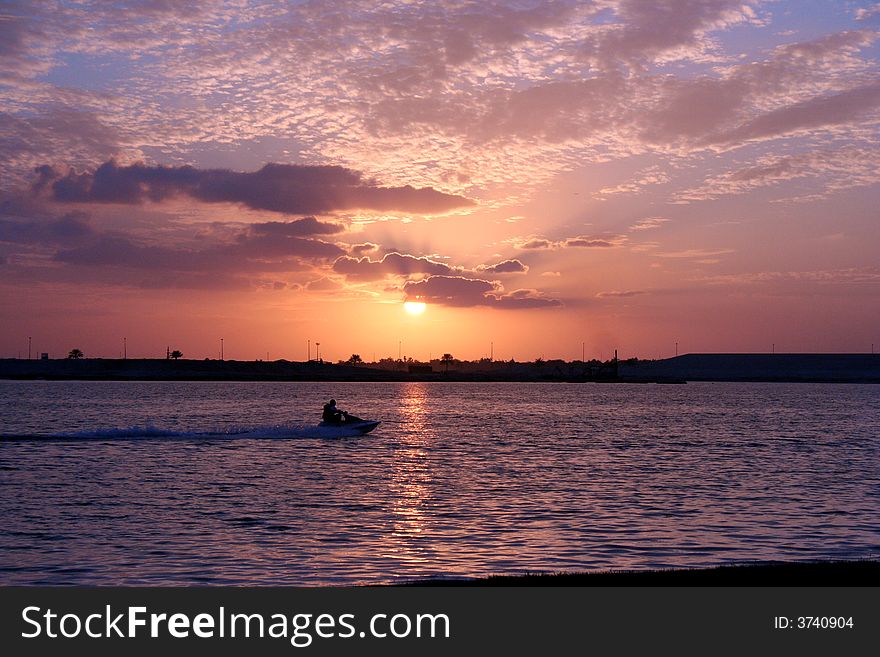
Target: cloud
point(817, 112)
point(287, 188)
point(649, 224)
point(579, 242)
point(269, 246)
point(652, 175)
point(663, 28)
point(856, 275)
point(535, 243)
point(49, 130)
point(247, 253)
point(459, 291)
point(794, 88)
point(297, 228)
point(694, 253)
point(71, 228)
point(392, 264)
point(866, 13)
point(363, 249)
point(525, 298)
point(21, 34)
point(829, 171)
point(615, 294)
point(587, 243)
point(504, 267)
point(323, 284)
point(174, 8)
point(13, 30)
point(70, 248)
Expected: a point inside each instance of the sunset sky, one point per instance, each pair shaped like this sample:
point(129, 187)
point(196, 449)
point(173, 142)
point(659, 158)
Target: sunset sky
point(541, 174)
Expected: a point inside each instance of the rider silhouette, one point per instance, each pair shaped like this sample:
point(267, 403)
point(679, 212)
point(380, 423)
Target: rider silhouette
point(332, 414)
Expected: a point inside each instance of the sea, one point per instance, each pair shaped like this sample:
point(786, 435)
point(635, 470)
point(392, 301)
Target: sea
point(232, 483)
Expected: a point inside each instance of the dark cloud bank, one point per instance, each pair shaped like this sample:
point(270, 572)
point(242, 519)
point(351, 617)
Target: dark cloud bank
point(287, 188)
point(71, 228)
point(262, 247)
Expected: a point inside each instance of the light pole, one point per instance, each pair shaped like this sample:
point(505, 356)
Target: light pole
point(310, 352)
point(676, 349)
point(318, 351)
point(222, 355)
point(491, 352)
point(29, 347)
point(124, 349)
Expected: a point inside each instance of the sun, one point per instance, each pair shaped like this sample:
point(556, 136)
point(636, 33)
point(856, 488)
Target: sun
point(414, 307)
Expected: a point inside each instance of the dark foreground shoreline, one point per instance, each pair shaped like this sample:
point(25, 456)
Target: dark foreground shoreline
point(823, 573)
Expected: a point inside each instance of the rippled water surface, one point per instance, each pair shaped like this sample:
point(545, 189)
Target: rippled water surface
point(229, 483)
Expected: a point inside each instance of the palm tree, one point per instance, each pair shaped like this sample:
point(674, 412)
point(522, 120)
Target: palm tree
point(446, 358)
point(176, 354)
point(75, 354)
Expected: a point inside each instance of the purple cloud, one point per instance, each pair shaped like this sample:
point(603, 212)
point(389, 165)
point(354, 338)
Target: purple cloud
point(579, 242)
point(46, 131)
point(14, 31)
point(537, 243)
point(622, 294)
point(587, 243)
point(504, 267)
point(248, 253)
point(461, 292)
point(287, 188)
point(708, 110)
point(363, 249)
point(297, 228)
point(392, 264)
point(651, 28)
point(524, 298)
point(815, 112)
point(71, 228)
point(866, 13)
point(323, 284)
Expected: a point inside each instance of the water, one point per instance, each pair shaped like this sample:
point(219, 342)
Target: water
point(196, 483)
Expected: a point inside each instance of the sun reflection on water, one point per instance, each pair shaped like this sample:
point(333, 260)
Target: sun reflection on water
point(411, 478)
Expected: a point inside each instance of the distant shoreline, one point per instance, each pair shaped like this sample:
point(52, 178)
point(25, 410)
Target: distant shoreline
point(779, 368)
point(821, 573)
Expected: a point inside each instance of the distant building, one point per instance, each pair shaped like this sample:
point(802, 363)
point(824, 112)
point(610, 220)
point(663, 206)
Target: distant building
point(420, 369)
point(44, 356)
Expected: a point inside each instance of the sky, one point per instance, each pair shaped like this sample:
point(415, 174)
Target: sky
point(549, 179)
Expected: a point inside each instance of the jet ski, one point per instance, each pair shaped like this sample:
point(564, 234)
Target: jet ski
point(353, 423)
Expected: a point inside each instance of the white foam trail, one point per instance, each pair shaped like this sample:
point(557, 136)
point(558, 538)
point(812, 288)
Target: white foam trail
point(146, 431)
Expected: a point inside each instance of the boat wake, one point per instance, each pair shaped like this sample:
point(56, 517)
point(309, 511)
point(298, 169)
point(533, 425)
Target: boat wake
point(149, 432)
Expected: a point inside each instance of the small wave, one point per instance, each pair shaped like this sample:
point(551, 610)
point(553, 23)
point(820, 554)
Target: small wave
point(149, 432)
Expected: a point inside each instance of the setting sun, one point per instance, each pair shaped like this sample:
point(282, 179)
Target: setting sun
point(414, 307)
